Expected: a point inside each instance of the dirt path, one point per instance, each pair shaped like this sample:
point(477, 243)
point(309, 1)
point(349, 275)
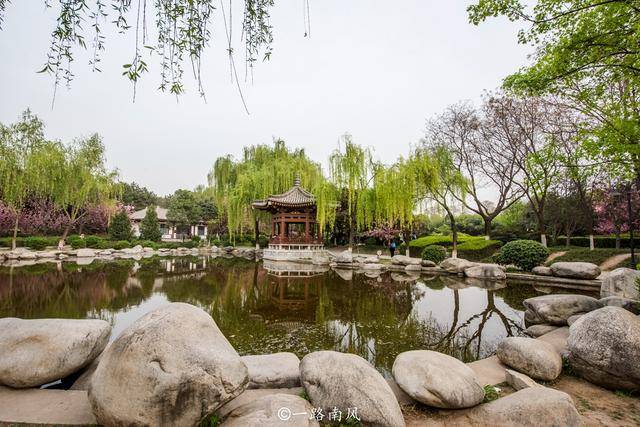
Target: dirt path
point(612, 262)
point(555, 255)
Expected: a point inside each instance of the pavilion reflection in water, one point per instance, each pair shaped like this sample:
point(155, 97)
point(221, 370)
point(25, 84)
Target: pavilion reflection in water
point(291, 286)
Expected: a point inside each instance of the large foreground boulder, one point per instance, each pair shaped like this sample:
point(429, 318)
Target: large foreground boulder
point(277, 410)
point(172, 366)
point(621, 282)
point(39, 351)
point(332, 379)
point(604, 348)
point(456, 265)
point(530, 356)
point(532, 406)
point(575, 270)
point(277, 370)
point(486, 271)
point(556, 309)
point(437, 379)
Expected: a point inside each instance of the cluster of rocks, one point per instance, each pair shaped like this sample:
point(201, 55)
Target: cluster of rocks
point(173, 366)
point(87, 255)
point(603, 342)
point(569, 270)
point(459, 266)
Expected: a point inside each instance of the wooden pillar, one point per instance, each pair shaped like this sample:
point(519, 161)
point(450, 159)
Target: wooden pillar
point(306, 228)
point(282, 225)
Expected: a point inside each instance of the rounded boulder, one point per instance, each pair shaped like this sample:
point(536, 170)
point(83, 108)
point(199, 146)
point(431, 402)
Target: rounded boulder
point(533, 357)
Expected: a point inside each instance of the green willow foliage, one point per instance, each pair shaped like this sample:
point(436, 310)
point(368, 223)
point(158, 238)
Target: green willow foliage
point(182, 30)
point(265, 170)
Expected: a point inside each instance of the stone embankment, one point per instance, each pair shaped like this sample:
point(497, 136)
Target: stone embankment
point(24, 256)
point(173, 366)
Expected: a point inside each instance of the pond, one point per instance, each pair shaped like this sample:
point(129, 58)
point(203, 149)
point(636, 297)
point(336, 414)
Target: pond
point(261, 311)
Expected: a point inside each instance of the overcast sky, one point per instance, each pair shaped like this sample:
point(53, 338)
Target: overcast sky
point(375, 69)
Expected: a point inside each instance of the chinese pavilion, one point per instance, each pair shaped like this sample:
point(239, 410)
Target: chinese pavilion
point(294, 231)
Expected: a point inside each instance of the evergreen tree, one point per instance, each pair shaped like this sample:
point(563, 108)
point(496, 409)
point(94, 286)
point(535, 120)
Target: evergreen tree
point(120, 228)
point(149, 227)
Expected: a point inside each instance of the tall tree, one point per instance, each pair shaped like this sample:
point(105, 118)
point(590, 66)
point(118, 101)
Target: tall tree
point(149, 226)
point(120, 226)
point(21, 164)
point(137, 196)
point(352, 168)
point(441, 181)
point(486, 159)
point(78, 179)
point(184, 208)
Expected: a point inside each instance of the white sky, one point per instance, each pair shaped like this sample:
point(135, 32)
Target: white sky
point(375, 69)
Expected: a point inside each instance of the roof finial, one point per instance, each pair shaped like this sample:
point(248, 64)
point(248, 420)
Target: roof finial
point(296, 180)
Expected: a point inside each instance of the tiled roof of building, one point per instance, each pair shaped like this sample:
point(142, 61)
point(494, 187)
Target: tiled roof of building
point(296, 197)
point(139, 215)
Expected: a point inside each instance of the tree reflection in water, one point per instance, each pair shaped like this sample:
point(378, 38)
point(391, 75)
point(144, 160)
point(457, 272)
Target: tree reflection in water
point(374, 315)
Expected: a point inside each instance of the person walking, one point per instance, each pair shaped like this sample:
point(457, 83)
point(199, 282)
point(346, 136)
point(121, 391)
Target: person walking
point(392, 248)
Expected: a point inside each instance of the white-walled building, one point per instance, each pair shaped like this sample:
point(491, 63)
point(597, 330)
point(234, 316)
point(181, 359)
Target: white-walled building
point(168, 230)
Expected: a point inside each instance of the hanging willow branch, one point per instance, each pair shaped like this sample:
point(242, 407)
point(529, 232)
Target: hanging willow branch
point(182, 32)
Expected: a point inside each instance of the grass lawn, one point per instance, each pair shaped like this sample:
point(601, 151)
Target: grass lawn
point(596, 256)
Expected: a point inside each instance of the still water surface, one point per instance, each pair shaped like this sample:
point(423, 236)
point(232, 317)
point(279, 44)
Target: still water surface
point(375, 316)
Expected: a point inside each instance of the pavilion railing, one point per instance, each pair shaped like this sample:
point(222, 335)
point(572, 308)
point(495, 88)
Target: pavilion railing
point(284, 240)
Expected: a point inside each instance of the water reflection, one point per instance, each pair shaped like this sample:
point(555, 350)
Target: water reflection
point(262, 310)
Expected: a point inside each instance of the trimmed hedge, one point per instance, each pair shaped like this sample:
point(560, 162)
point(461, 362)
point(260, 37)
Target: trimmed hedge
point(36, 243)
point(435, 253)
point(477, 249)
point(524, 254)
point(600, 241)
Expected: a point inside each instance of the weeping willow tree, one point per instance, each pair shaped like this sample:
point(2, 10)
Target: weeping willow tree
point(352, 170)
point(439, 180)
point(262, 171)
point(20, 164)
point(377, 194)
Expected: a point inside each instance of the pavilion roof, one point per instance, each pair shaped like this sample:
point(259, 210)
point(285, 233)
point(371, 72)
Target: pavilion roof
point(295, 197)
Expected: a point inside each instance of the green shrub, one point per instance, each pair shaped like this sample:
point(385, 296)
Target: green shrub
point(524, 254)
point(435, 253)
point(94, 242)
point(401, 249)
point(76, 242)
point(371, 241)
point(120, 227)
point(147, 244)
point(263, 241)
point(149, 226)
point(35, 242)
point(121, 244)
point(416, 246)
point(598, 241)
point(477, 249)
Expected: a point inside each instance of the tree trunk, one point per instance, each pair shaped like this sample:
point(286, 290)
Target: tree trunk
point(592, 244)
point(454, 237)
point(63, 238)
point(351, 230)
point(617, 239)
point(15, 231)
point(487, 228)
point(567, 242)
point(543, 239)
point(257, 231)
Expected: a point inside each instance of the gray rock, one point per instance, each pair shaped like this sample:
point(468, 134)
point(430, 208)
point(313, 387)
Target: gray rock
point(413, 267)
point(626, 303)
point(85, 253)
point(39, 351)
point(405, 260)
point(320, 258)
point(344, 257)
point(278, 410)
point(137, 249)
point(572, 319)
point(536, 331)
point(342, 380)
point(372, 266)
point(437, 379)
point(621, 282)
point(604, 348)
point(84, 380)
point(575, 270)
point(456, 265)
point(556, 309)
point(533, 357)
point(172, 366)
point(486, 271)
point(532, 406)
point(277, 370)
point(541, 270)
point(427, 263)
point(518, 380)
